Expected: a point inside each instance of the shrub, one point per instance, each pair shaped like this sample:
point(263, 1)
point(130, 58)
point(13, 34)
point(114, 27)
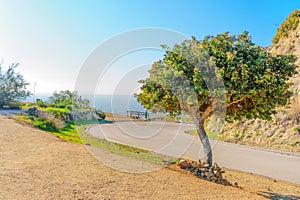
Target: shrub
point(45, 125)
point(70, 107)
point(57, 122)
point(41, 103)
point(60, 105)
point(32, 111)
point(100, 114)
point(56, 116)
point(59, 113)
point(291, 23)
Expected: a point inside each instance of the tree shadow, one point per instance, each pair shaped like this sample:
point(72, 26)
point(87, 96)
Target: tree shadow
point(105, 122)
point(276, 196)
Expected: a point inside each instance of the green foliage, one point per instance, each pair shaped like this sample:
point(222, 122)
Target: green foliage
point(294, 144)
point(60, 113)
point(255, 82)
point(12, 87)
point(291, 23)
point(66, 98)
point(42, 124)
point(56, 116)
point(100, 114)
point(45, 125)
point(41, 103)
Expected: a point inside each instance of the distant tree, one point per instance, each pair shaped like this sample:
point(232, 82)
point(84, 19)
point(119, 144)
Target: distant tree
point(188, 80)
point(12, 86)
point(67, 98)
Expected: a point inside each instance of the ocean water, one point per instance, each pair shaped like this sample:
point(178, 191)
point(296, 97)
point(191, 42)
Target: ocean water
point(117, 104)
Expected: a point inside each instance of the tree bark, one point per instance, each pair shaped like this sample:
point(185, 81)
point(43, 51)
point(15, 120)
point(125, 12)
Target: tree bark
point(204, 139)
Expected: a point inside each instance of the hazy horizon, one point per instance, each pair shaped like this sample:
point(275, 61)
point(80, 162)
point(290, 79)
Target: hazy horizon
point(52, 39)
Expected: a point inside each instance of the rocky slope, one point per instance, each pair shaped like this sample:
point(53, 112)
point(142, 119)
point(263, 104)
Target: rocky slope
point(283, 132)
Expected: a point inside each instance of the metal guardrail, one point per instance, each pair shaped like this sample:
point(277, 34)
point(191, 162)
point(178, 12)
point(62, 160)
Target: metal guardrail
point(138, 114)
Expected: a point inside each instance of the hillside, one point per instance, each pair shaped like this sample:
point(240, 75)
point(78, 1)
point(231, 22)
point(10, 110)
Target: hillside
point(283, 132)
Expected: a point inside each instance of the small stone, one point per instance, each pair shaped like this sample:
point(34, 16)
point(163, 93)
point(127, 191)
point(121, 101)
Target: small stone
point(216, 166)
point(218, 174)
point(206, 165)
point(193, 163)
point(210, 174)
point(203, 169)
point(235, 184)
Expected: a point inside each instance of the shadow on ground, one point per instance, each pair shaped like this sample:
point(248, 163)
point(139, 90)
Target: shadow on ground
point(276, 196)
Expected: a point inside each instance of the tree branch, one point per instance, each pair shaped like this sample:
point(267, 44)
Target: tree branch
point(209, 110)
point(236, 101)
point(206, 114)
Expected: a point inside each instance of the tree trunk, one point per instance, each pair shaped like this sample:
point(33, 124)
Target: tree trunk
point(204, 139)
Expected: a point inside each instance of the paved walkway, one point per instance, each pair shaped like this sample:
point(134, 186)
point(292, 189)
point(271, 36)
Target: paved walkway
point(10, 112)
point(170, 139)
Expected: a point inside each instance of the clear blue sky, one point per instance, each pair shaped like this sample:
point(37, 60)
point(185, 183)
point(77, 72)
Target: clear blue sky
point(52, 38)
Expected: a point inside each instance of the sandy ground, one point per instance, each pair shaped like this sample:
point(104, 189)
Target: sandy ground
point(37, 165)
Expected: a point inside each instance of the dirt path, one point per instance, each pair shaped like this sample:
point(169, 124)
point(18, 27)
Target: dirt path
point(36, 165)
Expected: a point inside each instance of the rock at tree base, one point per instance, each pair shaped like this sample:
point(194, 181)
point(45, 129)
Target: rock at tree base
point(203, 171)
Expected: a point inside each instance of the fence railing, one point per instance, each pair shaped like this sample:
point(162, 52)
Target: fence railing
point(138, 114)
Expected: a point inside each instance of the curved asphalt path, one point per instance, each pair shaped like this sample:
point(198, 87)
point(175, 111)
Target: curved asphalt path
point(169, 139)
point(11, 112)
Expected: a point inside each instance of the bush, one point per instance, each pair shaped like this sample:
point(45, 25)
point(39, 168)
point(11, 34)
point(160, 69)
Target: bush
point(100, 114)
point(41, 103)
point(12, 105)
point(60, 105)
point(55, 116)
point(32, 111)
point(45, 125)
point(291, 23)
point(70, 107)
point(59, 113)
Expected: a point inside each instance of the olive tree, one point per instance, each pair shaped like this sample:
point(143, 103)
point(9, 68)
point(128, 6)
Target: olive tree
point(225, 74)
point(12, 86)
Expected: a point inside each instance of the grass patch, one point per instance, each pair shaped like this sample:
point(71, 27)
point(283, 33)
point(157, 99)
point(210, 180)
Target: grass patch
point(295, 144)
point(209, 134)
point(296, 129)
point(71, 132)
point(178, 118)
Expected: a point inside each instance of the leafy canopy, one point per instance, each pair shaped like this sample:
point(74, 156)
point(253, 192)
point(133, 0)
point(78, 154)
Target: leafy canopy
point(12, 86)
point(68, 98)
point(198, 77)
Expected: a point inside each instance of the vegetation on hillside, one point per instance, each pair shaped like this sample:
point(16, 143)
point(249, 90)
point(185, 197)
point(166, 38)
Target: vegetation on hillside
point(63, 109)
point(291, 23)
